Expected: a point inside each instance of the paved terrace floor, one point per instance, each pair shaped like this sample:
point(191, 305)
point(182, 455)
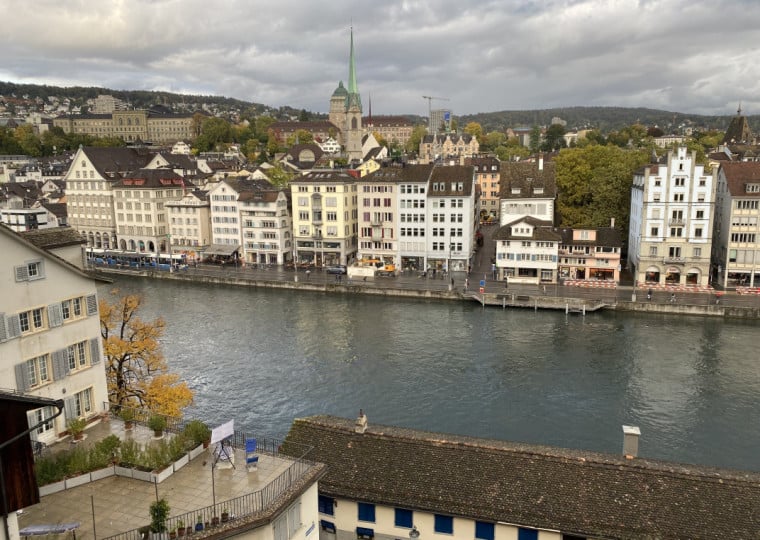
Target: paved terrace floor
point(121, 504)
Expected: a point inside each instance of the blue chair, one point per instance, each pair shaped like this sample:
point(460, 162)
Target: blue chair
point(251, 459)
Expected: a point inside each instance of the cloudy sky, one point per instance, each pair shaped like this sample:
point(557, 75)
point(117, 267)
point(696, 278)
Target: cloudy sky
point(680, 55)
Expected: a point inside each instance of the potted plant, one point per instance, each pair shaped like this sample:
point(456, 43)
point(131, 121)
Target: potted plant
point(144, 532)
point(199, 523)
point(215, 521)
point(173, 534)
point(76, 428)
point(180, 528)
point(198, 432)
point(157, 423)
point(127, 415)
point(159, 511)
point(225, 515)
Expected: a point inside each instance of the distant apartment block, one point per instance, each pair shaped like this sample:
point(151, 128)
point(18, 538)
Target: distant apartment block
point(131, 126)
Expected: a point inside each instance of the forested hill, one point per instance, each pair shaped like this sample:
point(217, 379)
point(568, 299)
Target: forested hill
point(603, 118)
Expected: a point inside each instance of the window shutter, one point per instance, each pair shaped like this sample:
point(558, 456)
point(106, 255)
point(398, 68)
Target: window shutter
point(13, 325)
point(60, 364)
point(70, 408)
point(31, 419)
point(55, 315)
point(95, 350)
point(22, 377)
point(22, 273)
point(92, 305)
point(3, 331)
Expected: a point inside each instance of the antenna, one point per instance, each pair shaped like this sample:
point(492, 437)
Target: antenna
point(430, 111)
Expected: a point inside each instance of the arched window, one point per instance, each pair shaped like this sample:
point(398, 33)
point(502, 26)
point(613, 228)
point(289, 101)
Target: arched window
point(353, 123)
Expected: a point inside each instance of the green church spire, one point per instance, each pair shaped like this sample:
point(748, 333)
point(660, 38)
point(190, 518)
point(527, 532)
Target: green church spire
point(353, 98)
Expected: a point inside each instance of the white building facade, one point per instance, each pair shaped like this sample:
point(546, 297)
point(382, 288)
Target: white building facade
point(50, 344)
point(671, 222)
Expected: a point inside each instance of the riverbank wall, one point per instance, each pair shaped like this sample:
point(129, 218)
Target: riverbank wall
point(567, 304)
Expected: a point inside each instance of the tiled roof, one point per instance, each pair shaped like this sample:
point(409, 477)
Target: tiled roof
point(316, 125)
point(483, 164)
point(542, 230)
point(573, 491)
point(108, 161)
point(57, 209)
point(150, 178)
point(268, 196)
point(386, 121)
point(318, 177)
point(738, 131)
point(739, 174)
point(527, 176)
point(605, 236)
point(449, 175)
point(53, 237)
point(400, 174)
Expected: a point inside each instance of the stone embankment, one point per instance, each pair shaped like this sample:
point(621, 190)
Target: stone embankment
point(565, 303)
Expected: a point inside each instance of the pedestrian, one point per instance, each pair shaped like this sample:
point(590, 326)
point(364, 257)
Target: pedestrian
point(308, 274)
point(649, 295)
point(673, 298)
point(466, 284)
point(469, 268)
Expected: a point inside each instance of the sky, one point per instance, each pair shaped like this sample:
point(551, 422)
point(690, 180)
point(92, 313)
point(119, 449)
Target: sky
point(689, 56)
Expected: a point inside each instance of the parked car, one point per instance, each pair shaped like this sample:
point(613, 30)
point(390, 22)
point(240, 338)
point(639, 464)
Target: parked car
point(336, 269)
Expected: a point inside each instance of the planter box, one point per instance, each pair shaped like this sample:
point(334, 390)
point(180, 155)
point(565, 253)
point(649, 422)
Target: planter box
point(145, 476)
point(55, 487)
point(159, 476)
point(78, 481)
point(123, 471)
point(195, 452)
point(181, 462)
point(102, 473)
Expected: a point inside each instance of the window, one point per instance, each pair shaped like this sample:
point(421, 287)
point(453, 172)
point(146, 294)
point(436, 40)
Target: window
point(655, 231)
point(71, 309)
point(700, 214)
point(288, 523)
point(527, 534)
point(366, 512)
point(653, 251)
point(484, 530)
point(76, 355)
point(676, 231)
point(674, 252)
point(30, 271)
point(38, 371)
point(325, 505)
point(678, 197)
point(403, 518)
point(31, 321)
point(680, 182)
point(698, 232)
point(697, 252)
point(81, 404)
point(444, 524)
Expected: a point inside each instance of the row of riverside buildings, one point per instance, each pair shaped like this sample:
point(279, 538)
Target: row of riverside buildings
point(688, 227)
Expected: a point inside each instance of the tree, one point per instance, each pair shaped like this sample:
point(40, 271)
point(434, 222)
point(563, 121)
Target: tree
point(413, 144)
point(29, 142)
point(554, 139)
point(136, 370)
point(535, 139)
point(303, 136)
point(594, 185)
point(474, 129)
point(380, 139)
point(278, 176)
point(213, 132)
point(492, 140)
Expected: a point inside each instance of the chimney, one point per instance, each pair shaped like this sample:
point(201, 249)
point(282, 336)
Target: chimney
point(541, 162)
point(631, 441)
point(360, 426)
point(612, 223)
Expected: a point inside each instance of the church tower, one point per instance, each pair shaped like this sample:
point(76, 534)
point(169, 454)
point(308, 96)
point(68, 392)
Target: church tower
point(338, 107)
point(352, 130)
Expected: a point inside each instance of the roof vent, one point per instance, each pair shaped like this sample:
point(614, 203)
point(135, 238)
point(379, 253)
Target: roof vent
point(631, 441)
point(360, 426)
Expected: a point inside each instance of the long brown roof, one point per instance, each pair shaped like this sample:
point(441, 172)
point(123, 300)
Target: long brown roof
point(449, 175)
point(527, 176)
point(739, 174)
point(109, 161)
point(399, 174)
point(573, 491)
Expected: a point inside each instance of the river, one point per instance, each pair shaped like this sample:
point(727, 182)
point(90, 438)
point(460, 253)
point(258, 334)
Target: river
point(263, 357)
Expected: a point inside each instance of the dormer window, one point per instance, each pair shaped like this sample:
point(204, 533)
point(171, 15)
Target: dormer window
point(538, 191)
point(752, 188)
point(515, 191)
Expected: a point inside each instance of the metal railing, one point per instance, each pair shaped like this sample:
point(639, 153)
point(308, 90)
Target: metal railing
point(240, 507)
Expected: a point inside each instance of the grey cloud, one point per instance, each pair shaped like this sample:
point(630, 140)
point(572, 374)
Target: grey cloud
point(681, 55)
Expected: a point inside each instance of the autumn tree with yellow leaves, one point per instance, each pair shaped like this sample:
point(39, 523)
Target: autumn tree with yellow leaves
point(136, 370)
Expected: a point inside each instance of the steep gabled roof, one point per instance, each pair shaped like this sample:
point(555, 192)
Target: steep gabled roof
point(449, 175)
point(112, 161)
point(542, 230)
point(53, 237)
point(573, 491)
point(399, 174)
point(739, 174)
point(527, 176)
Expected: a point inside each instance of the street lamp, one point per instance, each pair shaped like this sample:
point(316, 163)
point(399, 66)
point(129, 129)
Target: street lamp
point(414, 534)
point(295, 262)
point(448, 265)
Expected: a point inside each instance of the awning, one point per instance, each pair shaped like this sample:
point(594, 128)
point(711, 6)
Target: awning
point(221, 249)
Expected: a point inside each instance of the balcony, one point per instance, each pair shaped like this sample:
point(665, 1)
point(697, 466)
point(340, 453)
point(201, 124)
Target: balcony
point(676, 222)
point(673, 260)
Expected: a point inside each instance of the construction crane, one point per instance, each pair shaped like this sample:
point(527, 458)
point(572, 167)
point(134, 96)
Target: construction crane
point(430, 111)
